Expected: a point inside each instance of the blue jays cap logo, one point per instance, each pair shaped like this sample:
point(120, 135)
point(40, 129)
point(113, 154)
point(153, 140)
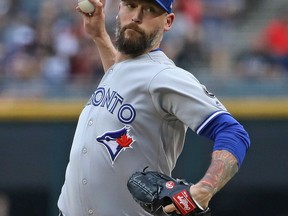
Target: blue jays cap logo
point(166, 5)
point(116, 141)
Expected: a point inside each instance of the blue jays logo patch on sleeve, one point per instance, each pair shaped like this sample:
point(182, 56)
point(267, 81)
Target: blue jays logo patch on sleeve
point(116, 141)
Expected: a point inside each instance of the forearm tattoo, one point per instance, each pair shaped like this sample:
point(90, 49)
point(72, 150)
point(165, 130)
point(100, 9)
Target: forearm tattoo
point(223, 167)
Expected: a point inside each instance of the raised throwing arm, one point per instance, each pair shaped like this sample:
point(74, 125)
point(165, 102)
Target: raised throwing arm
point(94, 25)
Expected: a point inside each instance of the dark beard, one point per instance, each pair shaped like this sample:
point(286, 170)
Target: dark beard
point(133, 46)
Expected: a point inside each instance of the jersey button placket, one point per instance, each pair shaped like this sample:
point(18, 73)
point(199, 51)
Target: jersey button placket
point(84, 181)
point(90, 211)
point(90, 123)
point(84, 150)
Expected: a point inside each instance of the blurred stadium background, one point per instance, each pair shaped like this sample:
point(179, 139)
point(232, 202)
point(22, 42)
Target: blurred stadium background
point(49, 68)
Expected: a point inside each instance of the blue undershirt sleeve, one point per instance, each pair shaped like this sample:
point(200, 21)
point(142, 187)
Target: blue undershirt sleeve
point(228, 134)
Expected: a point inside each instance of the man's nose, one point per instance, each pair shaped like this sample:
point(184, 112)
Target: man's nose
point(137, 16)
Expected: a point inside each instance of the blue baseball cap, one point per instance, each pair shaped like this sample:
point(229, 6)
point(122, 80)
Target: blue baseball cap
point(166, 5)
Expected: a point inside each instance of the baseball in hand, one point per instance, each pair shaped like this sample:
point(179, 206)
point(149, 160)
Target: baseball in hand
point(86, 6)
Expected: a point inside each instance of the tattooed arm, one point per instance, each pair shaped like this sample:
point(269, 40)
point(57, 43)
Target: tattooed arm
point(222, 168)
point(231, 142)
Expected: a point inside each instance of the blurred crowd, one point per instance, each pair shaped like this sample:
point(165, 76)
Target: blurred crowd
point(44, 50)
point(268, 51)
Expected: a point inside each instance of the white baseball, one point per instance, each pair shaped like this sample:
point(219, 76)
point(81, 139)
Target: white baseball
point(86, 6)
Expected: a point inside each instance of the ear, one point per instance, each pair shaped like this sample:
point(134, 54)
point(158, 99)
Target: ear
point(169, 21)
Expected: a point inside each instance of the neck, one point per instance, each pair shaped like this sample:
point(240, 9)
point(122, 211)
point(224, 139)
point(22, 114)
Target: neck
point(122, 57)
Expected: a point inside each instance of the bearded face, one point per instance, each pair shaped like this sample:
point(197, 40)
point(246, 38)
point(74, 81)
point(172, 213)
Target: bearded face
point(132, 40)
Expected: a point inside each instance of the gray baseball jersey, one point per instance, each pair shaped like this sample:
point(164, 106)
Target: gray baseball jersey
point(137, 117)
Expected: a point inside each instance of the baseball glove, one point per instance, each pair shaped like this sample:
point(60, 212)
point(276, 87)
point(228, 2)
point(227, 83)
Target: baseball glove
point(153, 191)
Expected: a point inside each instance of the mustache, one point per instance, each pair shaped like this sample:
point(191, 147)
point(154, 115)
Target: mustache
point(134, 27)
